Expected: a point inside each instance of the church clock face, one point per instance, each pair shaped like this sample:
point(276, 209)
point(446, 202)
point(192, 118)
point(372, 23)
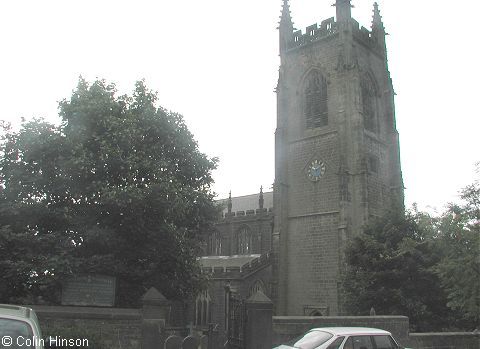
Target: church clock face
point(315, 170)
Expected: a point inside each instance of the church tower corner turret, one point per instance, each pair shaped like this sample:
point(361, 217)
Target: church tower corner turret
point(377, 23)
point(343, 10)
point(378, 29)
point(285, 28)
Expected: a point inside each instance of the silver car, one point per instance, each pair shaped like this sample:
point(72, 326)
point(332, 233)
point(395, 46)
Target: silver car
point(343, 338)
point(19, 328)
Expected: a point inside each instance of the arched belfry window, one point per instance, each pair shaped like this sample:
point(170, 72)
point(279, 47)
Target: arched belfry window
point(316, 111)
point(244, 241)
point(369, 104)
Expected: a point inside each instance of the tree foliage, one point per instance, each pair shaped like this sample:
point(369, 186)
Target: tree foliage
point(389, 268)
point(424, 267)
point(119, 187)
point(459, 240)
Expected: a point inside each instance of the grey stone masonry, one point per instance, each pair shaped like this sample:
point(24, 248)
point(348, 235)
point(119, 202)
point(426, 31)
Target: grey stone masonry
point(337, 159)
point(259, 321)
point(156, 310)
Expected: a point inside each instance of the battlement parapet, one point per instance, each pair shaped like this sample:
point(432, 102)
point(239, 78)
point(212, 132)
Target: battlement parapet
point(363, 35)
point(259, 213)
point(238, 272)
point(233, 270)
point(314, 32)
point(329, 28)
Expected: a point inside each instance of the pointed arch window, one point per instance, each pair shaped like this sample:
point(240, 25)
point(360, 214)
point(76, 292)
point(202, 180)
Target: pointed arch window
point(258, 285)
point(244, 241)
point(215, 244)
point(316, 111)
point(202, 308)
point(369, 105)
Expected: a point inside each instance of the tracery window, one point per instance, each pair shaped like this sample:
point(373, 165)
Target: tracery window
point(369, 106)
point(316, 111)
point(244, 241)
point(215, 244)
point(202, 308)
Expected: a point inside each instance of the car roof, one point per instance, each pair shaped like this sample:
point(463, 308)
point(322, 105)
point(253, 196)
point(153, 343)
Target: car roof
point(15, 311)
point(351, 330)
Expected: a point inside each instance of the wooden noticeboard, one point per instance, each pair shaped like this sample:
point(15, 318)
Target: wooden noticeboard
point(89, 290)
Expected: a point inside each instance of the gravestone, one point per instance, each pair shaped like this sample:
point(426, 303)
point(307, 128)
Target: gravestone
point(190, 343)
point(204, 342)
point(89, 290)
point(173, 342)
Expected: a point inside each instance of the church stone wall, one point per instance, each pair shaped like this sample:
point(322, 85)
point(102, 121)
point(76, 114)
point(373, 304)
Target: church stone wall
point(330, 177)
point(258, 223)
point(312, 264)
point(358, 149)
point(312, 252)
point(320, 56)
point(308, 197)
point(241, 283)
point(445, 340)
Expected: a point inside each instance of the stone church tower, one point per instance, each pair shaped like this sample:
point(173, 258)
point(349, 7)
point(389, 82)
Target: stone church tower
point(337, 161)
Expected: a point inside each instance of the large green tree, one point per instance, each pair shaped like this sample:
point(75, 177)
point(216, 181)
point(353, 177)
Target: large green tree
point(119, 188)
point(459, 269)
point(390, 268)
point(425, 267)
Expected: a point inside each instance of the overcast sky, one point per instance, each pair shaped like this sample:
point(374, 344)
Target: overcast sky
point(216, 62)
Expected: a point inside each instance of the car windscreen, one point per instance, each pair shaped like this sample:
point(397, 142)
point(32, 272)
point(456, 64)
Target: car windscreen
point(310, 340)
point(15, 334)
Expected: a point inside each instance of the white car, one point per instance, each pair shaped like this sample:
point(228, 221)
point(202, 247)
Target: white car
point(19, 328)
point(343, 338)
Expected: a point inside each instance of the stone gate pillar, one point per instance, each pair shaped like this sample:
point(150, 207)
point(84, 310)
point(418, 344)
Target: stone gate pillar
point(155, 312)
point(259, 329)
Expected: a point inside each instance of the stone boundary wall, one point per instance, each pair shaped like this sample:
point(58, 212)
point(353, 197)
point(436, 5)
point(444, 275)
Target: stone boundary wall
point(122, 328)
point(115, 327)
point(288, 327)
point(445, 340)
